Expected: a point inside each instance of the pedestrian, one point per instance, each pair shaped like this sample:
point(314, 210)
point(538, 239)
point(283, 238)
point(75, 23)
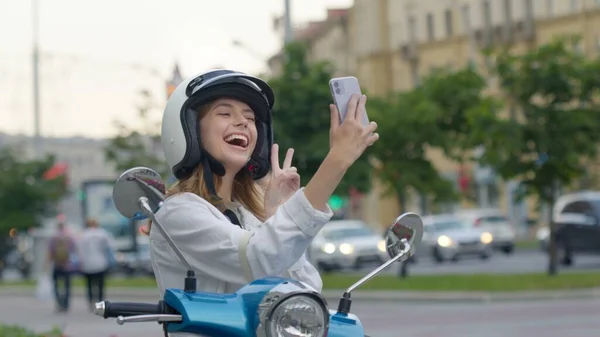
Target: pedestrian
point(96, 250)
point(62, 256)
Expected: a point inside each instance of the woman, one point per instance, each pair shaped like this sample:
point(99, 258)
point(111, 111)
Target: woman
point(96, 248)
point(217, 139)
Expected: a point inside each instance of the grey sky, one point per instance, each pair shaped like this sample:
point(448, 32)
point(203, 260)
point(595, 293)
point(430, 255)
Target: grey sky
point(97, 54)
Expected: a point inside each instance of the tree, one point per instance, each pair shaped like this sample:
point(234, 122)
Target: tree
point(138, 147)
point(432, 115)
point(401, 149)
point(301, 117)
point(25, 194)
point(554, 128)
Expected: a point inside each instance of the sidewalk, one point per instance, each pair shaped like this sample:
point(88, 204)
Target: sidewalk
point(332, 296)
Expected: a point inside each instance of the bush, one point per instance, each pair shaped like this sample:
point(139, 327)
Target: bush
point(17, 331)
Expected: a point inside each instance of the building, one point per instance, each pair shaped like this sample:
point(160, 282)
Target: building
point(327, 40)
point(393, 43)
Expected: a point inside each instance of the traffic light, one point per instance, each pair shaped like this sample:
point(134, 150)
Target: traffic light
point(80, 195)
point(336, 202)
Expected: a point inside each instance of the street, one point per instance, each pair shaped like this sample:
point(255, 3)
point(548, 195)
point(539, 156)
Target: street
point(575, 318)
point(519, 262)
point(499, 263)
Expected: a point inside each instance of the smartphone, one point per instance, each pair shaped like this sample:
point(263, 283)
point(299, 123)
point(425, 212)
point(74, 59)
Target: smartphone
point(342, 89)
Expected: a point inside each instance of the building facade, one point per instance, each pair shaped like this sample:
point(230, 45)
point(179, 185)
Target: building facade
point(392, 44)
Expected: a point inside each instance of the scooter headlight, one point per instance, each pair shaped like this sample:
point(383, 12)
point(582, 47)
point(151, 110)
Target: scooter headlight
point(292, 309)
point(298, 315)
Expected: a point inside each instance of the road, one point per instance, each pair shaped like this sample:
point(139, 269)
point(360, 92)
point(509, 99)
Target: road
point(573, 318)
point(499, 263)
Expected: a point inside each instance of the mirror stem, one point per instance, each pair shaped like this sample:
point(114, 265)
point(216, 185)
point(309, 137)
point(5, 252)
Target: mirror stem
point(190, 279)
point(346, 301)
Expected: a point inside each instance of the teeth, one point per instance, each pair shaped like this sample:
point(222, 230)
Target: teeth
point(243, 138)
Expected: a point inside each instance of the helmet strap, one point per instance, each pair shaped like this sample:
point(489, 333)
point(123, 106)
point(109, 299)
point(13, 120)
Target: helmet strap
point(210, 185)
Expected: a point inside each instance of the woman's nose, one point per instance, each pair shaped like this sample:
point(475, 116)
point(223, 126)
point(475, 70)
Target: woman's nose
point(241, 121)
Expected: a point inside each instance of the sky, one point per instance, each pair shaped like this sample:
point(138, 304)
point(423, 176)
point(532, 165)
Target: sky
point(96, 56)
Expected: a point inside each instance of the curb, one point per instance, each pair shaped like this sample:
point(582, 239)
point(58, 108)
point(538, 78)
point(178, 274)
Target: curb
point(333, 296)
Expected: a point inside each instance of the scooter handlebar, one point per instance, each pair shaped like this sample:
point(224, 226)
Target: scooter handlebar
point(108, 309)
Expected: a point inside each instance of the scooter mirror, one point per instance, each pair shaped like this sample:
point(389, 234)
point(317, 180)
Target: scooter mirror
point(407, 226)
point(134, 184)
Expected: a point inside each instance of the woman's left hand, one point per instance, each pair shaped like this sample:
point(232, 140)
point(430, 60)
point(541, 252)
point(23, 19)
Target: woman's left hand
point(285, 181)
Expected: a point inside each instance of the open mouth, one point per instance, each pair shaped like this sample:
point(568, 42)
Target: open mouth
point(238, 140)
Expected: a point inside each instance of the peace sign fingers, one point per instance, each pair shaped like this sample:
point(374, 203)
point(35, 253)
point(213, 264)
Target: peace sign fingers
point(287, 162)
point(275, 159)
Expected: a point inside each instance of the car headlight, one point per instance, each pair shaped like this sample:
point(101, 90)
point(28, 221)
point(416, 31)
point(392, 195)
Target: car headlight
point(486, 238)
point(328, 248)
point(444, 241)
point(381, 246)
point(292, 309)
point(346, 249)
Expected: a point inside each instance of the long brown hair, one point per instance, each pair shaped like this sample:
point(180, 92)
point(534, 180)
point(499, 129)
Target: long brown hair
point(245, 190)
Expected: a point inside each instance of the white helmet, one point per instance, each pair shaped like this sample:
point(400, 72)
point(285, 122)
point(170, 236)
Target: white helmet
point(180, 132)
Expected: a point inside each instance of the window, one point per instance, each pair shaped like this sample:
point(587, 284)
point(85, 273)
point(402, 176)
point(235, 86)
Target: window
point(507, 12)
point(430, 27)
point(412, 28)
point(487, 14)
point(466, 19)
point(550, 7)
point(528, 9)
point(449, 23)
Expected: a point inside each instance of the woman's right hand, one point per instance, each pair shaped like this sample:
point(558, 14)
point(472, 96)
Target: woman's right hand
point(349, 139)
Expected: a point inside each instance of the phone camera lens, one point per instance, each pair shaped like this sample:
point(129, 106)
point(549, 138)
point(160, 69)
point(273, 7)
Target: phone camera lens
point(337, 91)
point(336, 84)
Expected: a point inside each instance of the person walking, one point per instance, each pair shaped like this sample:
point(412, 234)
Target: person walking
point(61, 255)
point(96, 250)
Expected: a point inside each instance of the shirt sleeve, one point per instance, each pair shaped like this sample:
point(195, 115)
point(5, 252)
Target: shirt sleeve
point(211, 244)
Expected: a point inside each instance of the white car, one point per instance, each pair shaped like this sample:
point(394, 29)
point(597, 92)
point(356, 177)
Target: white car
point(345, 244)
point(448, 237)
point(493, 221)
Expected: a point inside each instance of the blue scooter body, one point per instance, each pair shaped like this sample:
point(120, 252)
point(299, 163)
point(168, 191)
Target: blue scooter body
point(236, 314)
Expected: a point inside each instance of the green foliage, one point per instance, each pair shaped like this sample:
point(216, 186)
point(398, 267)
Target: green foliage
point(555, 128)
point(138, 147)
point(401, 149)
point(17, 331)
point(24, 195)
point(554, 92)
point(301, 117)
point(432, 115)
point(445, 99)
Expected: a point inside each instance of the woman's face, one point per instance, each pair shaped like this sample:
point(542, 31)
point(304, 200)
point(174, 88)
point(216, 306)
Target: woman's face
point(228, 133)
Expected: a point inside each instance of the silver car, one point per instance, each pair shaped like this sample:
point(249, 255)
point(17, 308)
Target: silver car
point(346, 244)
point(448, 237)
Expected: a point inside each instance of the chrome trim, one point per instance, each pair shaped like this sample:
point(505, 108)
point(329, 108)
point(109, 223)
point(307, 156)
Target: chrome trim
point(149, 318)
point(279, 294)
point(247, 80)
point(100, 308)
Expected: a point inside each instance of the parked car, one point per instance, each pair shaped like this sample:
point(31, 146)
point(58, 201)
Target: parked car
point(135, 262)
point(449, 237)
point(542, 235)
point(346, 244)
point(494, 222)
point(577, 219)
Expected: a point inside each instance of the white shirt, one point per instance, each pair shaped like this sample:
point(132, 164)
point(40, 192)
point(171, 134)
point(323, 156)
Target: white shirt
point(212, 244)
point(92, 250)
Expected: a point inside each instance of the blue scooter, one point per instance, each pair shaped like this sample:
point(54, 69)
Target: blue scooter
point(267, 307)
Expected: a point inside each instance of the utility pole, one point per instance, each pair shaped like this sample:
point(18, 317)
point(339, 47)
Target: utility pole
point(36, 80)
point(288, 33)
